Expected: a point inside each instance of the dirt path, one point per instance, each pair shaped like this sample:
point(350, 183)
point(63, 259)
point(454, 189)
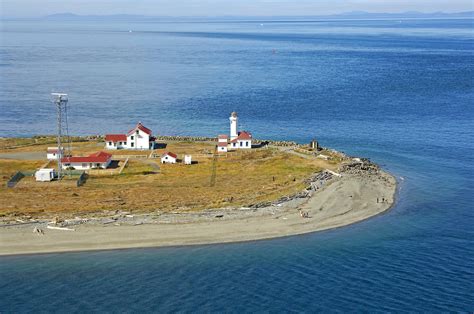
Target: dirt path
point(152, 164)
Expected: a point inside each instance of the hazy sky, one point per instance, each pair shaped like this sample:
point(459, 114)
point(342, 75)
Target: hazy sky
point(30, 8)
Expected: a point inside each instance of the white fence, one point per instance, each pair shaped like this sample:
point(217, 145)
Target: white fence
point(130, 156)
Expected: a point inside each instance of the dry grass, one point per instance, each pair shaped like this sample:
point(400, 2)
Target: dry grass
point(242, 178)
point(9, 167)
point(32, 143)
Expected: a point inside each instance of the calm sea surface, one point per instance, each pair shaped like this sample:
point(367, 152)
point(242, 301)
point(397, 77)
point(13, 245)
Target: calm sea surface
point(401, 93)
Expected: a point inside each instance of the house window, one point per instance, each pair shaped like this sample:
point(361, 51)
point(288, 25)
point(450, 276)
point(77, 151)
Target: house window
point(247, 144)
point(131, 137)
point(235, 144)
point(131, 144)
point(110, 143)
point(84, 165)
point(136, 132)
point(241, 144)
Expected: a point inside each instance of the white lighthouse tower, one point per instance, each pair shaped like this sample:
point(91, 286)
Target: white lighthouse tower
point(233, 125)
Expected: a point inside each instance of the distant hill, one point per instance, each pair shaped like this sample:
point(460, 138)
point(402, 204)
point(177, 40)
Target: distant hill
point(347, 15)
point(408, 14)
point(72, 16)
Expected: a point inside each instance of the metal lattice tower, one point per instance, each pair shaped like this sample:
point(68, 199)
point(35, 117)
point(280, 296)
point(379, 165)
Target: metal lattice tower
point(64, 141)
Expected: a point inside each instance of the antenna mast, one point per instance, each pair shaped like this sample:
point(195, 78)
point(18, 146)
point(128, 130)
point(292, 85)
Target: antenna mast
point(60, 101)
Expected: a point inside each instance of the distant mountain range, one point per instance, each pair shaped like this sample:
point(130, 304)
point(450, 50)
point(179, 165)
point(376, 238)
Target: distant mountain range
point(346, 15)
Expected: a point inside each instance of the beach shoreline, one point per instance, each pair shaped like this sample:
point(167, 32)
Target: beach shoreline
point(341, 201)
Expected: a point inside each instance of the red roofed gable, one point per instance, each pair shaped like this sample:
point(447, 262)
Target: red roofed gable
point(170, 154)
point(115, 138)
point(53, 150)
point(243, 136)
point(98, 157)
point(141, 128)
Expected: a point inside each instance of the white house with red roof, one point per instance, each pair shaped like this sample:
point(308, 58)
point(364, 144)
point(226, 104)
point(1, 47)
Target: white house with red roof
point(97, 160)
point(53, 153)
point(169, 158)
point(116, 141)
point(222, 143)
point(140, 137)
point(238, 139)
point(242, 141)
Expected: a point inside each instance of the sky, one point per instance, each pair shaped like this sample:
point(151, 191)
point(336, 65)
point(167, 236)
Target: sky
point(36, 8)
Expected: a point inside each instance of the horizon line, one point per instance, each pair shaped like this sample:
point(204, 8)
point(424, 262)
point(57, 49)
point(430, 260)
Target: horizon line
point(345, 14)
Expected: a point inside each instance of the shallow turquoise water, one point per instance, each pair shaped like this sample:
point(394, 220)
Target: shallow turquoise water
point(399, 93)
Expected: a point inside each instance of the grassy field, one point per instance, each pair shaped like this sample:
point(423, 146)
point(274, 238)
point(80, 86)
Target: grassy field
point(19, 142)
point(242, 178)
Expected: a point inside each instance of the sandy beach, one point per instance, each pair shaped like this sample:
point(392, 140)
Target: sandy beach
point(340, 201)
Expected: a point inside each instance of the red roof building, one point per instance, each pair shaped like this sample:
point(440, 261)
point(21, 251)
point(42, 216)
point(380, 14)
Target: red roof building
point(99, 157)
point(170, 154)
point(169, 158)
point(140, 127)
point(140, 137)
point(53, 153)
point(115, 138)
point(243, 136)
point(53, 150)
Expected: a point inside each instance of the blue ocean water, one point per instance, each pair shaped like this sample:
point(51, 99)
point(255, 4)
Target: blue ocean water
point(399, 92)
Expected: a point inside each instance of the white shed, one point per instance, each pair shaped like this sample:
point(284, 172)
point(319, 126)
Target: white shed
point(222, 147)
point(53, 153)
point(169, 158)
point(188, 160)
point(222, 142)
point(45, 174)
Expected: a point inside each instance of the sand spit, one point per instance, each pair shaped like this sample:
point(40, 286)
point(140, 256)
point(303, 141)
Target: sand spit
point(331, 203)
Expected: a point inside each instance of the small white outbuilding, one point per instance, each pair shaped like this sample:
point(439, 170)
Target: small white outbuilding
point(45, 174)
point(188, 160)
point(222, 143)
point(169, 158)
point(53, 153)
